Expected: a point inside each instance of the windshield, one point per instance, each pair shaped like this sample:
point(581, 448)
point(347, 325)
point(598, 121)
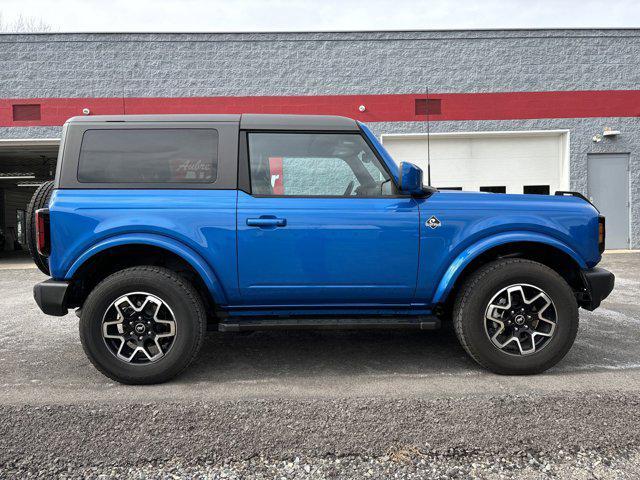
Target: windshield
point(388, 160)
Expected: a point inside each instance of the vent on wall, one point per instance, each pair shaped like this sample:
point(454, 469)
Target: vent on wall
point(536, 189)
point(431, 106)
point(499, 189)
point(22, 113)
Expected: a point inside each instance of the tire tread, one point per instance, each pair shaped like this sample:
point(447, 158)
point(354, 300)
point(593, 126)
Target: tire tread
point(464, 296)
point(40, 199)
point(189, 292)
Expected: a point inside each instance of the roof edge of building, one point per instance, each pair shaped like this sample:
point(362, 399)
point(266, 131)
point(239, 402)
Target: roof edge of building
point(332, 32)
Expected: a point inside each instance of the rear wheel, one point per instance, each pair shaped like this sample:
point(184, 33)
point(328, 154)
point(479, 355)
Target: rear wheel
point(516, 317)
point(39, 200)
point(142, 325)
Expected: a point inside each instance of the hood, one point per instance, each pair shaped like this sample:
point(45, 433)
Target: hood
point(514, 201)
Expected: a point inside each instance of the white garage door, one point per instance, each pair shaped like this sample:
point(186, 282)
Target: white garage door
point(504, 162)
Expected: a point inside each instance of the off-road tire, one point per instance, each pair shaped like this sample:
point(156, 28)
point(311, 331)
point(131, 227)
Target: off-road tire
point(474, 297)
point(39, 200)
point(190, 318)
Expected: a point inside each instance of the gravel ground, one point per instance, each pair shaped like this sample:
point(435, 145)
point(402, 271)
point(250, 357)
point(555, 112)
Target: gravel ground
point(409, 463)
point(509, 435)
point(322, 404)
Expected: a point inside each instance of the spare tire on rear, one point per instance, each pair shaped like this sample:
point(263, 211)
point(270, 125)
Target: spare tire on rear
point(39, 200)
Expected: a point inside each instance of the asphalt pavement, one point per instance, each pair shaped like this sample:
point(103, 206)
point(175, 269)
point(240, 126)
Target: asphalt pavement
point(322, 404)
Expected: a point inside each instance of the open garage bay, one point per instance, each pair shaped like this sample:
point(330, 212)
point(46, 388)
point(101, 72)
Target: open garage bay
point(24, 165)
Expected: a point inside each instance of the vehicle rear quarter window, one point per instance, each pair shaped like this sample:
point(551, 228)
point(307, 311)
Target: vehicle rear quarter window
point(159, 155)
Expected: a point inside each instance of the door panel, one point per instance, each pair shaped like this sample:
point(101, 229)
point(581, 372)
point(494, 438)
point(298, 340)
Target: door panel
point(609, 191)
point(307, 251)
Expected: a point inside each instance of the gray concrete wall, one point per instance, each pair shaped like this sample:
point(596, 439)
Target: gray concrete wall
point(108, 65)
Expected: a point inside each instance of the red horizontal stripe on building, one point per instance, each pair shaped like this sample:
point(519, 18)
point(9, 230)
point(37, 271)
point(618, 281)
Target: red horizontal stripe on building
point(378, 108)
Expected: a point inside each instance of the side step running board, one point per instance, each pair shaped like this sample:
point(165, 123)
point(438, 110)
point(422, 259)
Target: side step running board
point(349, 323)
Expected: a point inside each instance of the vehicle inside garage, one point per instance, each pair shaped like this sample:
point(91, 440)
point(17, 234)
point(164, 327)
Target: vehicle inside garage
point(24, 165)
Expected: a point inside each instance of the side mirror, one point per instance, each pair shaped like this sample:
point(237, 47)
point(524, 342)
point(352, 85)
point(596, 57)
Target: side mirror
point(410, 178)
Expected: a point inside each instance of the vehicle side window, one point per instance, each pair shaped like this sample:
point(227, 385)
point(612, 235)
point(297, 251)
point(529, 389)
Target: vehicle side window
point(161, 155)
point(315, 164)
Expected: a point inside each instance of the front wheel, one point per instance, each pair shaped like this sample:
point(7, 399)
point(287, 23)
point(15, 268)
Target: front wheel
point(142, 325)
point(516, 317)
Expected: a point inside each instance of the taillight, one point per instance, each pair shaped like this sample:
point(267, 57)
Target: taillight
point(601, 233)
point(42, 232)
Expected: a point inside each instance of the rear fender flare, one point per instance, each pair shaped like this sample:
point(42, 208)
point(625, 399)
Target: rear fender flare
point(189, 255)
point(463, 259)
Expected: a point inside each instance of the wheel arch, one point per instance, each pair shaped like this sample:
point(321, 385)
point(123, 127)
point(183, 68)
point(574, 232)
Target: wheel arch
point(116, 253)
point(537, 247)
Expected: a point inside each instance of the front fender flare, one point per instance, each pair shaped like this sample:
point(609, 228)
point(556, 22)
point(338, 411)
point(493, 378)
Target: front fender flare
point(189, 255)
point(457, 266)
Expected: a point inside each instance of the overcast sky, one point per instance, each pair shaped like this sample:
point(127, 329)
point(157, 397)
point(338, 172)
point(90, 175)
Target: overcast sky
point(304, 15)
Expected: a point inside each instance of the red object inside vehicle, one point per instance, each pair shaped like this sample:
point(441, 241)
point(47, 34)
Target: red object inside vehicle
point(275, 171)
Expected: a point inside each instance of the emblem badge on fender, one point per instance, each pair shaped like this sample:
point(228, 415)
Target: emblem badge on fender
point(433, 222)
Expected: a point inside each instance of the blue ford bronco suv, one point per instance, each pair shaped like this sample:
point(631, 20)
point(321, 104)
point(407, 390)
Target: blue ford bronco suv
point(158, 228)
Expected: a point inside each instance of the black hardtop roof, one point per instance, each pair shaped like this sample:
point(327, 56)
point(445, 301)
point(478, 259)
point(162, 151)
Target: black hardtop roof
point(248, 121)
point(252, 121)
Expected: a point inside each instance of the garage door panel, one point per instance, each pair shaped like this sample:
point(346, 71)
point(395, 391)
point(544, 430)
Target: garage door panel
point(535, 146)
point(472, 162)
point(409, 150)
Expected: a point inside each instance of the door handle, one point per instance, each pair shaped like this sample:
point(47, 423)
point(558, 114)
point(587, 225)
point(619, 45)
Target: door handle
point(266, 222)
